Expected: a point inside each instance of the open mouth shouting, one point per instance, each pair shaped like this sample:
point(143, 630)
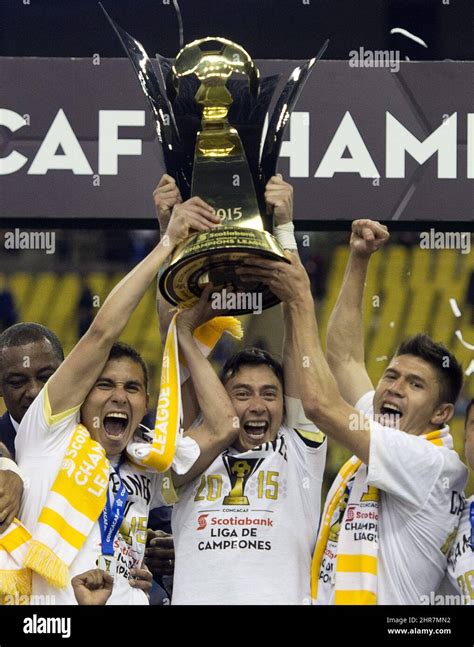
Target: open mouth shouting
point(256, 430)
point(115, 424)
point(390, 414)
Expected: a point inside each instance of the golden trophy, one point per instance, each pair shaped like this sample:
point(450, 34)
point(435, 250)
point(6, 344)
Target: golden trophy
point(220, 142)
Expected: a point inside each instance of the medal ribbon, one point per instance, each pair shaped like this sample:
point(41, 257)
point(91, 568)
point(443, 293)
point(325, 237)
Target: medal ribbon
point(111, 517)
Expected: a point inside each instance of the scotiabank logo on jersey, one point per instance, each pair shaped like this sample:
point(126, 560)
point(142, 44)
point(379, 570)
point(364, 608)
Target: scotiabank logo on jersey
point(235, 533)
point(231, 521)
point(361, 520)
point(243, 514)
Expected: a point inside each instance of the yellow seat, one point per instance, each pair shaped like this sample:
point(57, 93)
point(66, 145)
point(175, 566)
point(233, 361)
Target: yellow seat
point(20, 284)
point(393, 303)
point(62, 316)
point(333, 285)
point(41, 298)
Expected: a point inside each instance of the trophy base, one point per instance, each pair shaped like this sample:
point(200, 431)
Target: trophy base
point(236, 500)
point(214, 256)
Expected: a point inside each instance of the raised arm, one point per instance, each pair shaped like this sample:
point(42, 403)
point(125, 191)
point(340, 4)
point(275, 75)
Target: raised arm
point(279, 199)
point(72, 381)
point(322, 401)
point(165, 196)
point(220, 424)
point(345, 334)
point(199, 216)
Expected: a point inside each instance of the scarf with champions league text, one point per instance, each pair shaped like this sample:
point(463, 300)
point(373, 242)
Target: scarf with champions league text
point(340, 561)
point(75, 502)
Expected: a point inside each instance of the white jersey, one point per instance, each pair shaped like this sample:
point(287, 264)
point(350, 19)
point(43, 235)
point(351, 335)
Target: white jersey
point(41, 444)
point(245, 530)
point(460, 571)
point(419, 486)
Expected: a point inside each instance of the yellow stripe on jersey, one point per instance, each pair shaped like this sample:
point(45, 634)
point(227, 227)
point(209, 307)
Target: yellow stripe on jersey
point(52, 419)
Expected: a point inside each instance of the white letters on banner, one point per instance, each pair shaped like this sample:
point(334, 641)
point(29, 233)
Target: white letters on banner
point(72, 157)
point(14, 161)
point(110, 146)
point(347, 136)
point(297, 148)
point(60, 134)
point(442, 141)
point(62, 150)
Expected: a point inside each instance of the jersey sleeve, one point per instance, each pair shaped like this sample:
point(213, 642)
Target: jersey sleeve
point(405, 466)
point(366, 404)
point(310, 451)
point(40, 431)
point(295, 417)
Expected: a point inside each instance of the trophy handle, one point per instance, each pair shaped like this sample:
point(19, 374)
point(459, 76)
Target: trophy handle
point(166, 128)
point(281, 113)
point(168, 133)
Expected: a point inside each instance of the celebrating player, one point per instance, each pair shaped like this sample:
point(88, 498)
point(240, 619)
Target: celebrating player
point(388, 520)
point(244, 529)
point(79, 425)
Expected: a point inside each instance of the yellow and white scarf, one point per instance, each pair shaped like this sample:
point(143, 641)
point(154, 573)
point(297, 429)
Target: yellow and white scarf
point(353, 572)
point(15, 579)
point(74, 503)
point(159, 455)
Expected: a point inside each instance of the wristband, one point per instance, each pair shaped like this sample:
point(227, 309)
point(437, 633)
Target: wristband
point(6, 464)
point(285, 235)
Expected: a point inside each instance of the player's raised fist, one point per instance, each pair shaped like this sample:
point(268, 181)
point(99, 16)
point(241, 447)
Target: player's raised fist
point(368, 236)
point(93, 587)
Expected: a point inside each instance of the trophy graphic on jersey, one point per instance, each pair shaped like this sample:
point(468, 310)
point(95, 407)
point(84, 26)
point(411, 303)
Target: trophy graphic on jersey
point(220, 128)
point(239, 471)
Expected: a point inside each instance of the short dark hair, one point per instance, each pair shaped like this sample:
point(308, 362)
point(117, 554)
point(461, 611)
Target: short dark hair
point(21, 334)
point(447, 367)
point(121, 349)
point(251, 357)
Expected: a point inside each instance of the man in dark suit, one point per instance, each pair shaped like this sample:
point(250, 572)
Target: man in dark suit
point(29, 355)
